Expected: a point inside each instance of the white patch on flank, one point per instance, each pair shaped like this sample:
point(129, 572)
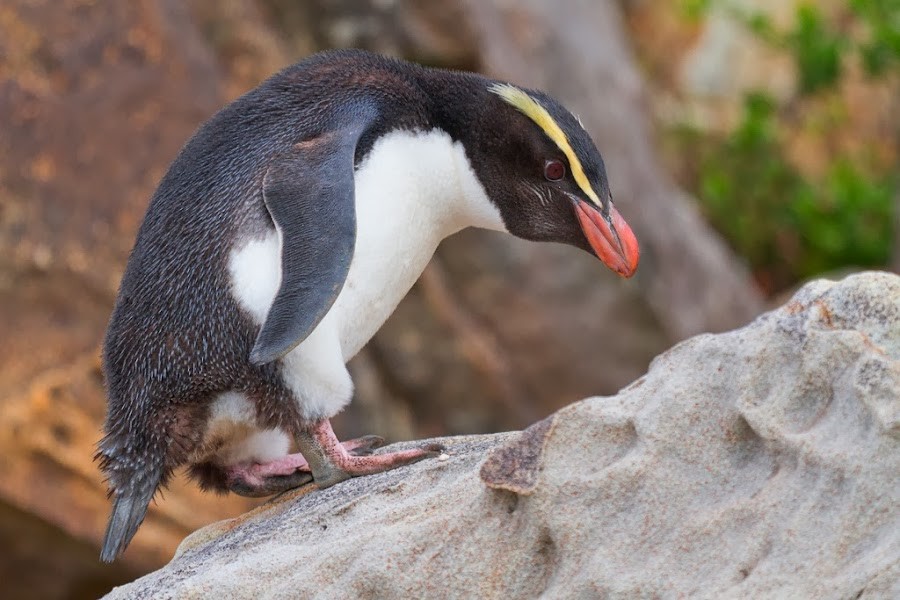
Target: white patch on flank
point(412, 190)
point(256, 275)
point(233, 436)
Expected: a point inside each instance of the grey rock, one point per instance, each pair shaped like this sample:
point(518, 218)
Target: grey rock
point(758, 463)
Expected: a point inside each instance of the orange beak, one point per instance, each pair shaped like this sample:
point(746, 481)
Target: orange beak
point(610, 237)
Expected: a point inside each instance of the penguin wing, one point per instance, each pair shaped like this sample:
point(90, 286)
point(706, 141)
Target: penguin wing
point(309, 193)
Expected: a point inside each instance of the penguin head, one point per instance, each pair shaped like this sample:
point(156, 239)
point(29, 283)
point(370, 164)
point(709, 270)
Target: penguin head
point(547, 177)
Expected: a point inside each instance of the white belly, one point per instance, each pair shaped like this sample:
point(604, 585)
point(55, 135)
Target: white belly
point(413, 190)
point(398, 228)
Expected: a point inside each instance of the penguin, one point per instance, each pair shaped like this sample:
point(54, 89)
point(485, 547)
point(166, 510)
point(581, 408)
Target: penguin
point(281, 238)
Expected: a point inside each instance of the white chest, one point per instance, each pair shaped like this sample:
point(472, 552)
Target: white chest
point(412, 190)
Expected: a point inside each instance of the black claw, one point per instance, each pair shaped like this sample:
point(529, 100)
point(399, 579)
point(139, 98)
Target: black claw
point(436, 449)
point(368, 443)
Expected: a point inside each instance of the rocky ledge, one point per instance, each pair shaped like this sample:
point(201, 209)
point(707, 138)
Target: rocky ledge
point(757, 463)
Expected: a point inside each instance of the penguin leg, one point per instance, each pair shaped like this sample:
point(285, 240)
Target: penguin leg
point(256, 480)
point(331, 463)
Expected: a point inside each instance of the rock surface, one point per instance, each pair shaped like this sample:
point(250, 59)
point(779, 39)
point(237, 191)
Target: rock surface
point(757, 463)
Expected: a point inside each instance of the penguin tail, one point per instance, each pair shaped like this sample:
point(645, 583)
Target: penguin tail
point(128, 513)
point(137, 456)
point(132, 484)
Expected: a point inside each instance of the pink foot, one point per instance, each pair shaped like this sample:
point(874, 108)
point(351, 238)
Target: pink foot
point(331, 463)
point(290, 471)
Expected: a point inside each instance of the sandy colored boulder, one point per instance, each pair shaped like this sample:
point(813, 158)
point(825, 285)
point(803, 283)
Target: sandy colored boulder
point(756, 463)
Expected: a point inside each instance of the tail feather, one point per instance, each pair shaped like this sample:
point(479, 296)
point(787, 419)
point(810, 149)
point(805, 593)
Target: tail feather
point(128, 512)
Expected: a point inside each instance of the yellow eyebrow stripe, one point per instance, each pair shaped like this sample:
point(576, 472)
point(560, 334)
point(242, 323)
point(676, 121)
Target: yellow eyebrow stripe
point(532, 109)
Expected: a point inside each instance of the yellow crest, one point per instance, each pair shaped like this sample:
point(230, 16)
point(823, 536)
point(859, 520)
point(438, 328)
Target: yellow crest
point(532, 109)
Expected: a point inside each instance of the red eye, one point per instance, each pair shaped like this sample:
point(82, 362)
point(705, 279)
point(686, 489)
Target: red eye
point(554, 170)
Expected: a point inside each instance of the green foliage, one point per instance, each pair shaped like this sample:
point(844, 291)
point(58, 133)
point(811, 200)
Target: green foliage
point(846, 221)
point(787, 225)
point(819, 45)
point(816, 48)
point(695, 9)
point(882, 50)
point(789, 228)
point(746, 187)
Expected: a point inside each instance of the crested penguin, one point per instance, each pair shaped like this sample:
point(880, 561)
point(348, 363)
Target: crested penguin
point(285, 233)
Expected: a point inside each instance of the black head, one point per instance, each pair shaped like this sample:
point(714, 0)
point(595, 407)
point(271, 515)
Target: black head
point(546, 176)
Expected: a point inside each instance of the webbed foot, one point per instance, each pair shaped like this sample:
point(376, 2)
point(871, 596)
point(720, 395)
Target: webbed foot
point(331, 463)
point(257, 480)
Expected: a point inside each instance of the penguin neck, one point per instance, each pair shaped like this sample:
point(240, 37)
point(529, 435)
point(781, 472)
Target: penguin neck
point(425, 179)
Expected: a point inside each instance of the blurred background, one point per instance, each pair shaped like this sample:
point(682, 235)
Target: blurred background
point(751, 144)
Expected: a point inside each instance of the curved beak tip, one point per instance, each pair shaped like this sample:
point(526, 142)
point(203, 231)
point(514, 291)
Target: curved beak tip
point(613, 241)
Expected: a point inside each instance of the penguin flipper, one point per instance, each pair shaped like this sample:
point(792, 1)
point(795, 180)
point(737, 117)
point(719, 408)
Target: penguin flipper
point(309, 193)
